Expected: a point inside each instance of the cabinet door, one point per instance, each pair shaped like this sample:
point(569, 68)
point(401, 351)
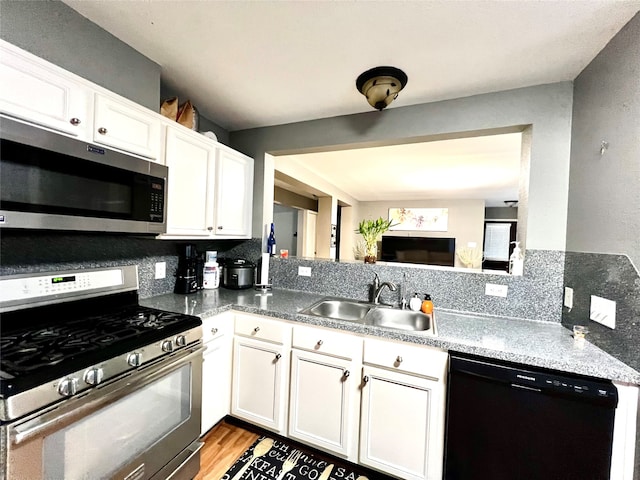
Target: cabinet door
point(216, 381)
point(125, 126)
point(323, 402)
point(191, 163)
point(34, 90)
point(260, 380)
point(234, 197)
point(402, 424)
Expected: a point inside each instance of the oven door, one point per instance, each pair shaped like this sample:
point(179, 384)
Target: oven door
point(144, 424)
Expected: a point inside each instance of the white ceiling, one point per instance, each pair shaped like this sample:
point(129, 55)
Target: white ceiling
point(248, 64)
point(485, 168)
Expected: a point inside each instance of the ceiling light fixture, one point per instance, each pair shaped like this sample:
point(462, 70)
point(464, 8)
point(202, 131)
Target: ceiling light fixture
point(381, 85)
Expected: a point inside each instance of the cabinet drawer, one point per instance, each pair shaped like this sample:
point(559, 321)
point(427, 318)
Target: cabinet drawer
point(214, 327)
point(261, 328)
point(326, 341)
point(424, 361)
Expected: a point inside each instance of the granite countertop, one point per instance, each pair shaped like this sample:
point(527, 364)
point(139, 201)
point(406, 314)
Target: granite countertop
point(540, 344)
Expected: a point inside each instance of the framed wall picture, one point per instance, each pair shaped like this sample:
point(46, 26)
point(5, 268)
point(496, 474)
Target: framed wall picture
point(424, 219)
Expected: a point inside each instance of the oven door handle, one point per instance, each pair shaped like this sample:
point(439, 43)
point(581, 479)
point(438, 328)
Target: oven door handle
point(98, 398)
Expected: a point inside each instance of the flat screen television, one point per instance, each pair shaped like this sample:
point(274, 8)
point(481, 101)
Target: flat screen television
point(424, 250)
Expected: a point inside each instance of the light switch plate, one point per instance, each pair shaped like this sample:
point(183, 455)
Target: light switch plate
point(161, 270)
point(603, 311)
point(496, 290)
point(568, 297)
point(304, 271)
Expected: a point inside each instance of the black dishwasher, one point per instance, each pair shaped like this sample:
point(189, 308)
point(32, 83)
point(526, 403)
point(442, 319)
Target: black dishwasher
point(509, 421)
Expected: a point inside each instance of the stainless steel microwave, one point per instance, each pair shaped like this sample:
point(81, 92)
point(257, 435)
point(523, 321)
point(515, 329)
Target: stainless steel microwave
point(51, 181)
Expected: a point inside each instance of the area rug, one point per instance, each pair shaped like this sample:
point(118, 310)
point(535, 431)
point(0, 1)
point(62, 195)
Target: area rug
point(272, 459)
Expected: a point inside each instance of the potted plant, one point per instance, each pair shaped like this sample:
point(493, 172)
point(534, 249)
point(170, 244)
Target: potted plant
point(371, 231)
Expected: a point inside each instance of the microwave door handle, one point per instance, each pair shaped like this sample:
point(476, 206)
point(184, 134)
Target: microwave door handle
point(71, 413)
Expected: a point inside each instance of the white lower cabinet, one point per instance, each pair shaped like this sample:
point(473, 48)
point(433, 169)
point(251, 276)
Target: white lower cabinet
point(325, 397)
point(216, 369)
point(403, 409)
point(261, 350)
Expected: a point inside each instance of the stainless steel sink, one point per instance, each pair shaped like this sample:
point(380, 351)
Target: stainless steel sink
point(350, 310)
point(399, 319)
point(372, 314)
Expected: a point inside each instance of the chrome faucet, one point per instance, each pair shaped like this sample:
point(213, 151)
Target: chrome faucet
point(378, 287)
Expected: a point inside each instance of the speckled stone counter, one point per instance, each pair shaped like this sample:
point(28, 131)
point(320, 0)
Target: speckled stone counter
point(541, 344)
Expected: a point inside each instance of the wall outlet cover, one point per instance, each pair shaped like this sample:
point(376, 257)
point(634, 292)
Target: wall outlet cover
point(304, 271)
point(161, 270)
point(496, 290)
point(603, 311)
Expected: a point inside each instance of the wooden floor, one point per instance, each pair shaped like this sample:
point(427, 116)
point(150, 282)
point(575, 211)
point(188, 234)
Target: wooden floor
point(222, 447)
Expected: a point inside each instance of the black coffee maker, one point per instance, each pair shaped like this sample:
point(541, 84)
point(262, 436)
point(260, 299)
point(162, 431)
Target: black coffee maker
point(187, 273)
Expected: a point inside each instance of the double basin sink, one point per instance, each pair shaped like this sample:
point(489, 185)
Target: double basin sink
point(376, 315)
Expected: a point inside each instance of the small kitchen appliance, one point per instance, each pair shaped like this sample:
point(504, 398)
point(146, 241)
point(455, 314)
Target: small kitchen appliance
point(187, 276)
point(238, 274)
point(86, 369)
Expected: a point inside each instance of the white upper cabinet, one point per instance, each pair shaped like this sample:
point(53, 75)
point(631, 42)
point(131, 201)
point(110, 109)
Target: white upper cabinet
point(43, 94)
point(191, 161)
point(234, 194)
point(121, 124)
point(210, 187)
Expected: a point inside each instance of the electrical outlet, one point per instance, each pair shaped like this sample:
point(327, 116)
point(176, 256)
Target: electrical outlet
point(568, 297)
point(603, 311)
point(304, 271)
point(161, 270)
point(496, 290)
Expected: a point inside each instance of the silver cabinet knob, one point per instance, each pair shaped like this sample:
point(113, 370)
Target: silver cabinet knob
point(278, 356)
point(399, 359)
point(209, 228)
point(346, 374)
point(74, 121)
point(220, 227)
point(365, 379)
point(257, 329)
point(214, 331)
point(68, 387)
point(181, 341)
point(167, 346)
point(102, 131)
point(320, 342)
point(134, 359)
point(93, 376)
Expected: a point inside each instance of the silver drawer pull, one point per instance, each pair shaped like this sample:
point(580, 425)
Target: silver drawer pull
point(346, 374)
point(102, 131)
point(320, 342)
point(74, 121)
point(214, 330)
point(365, 379)
point(257, 329)
point(278, 356)
point(220, 227)
point(399, 359)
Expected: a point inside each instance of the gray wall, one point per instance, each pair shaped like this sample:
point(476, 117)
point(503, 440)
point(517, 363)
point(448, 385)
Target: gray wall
point(603, 227)
point(546, 107)
point(57, 33)
point(604, 190)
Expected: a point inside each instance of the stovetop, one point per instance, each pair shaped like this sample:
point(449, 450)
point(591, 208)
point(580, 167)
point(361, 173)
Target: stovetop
point(45, 343)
